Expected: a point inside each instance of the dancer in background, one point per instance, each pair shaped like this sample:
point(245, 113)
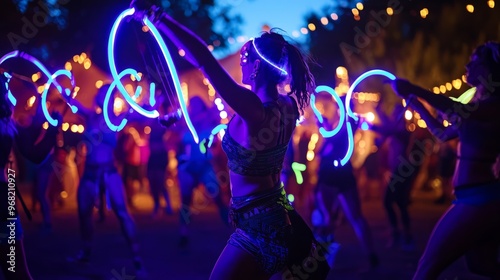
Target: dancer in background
point(270, 237)
point(403, 173)
point(100, 172)
point(157, 164)
point(195, 167)
point(35, 146)
point(471, 226)
point(337, 181)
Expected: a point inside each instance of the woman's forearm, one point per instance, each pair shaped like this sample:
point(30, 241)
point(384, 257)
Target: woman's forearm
point(438, 101)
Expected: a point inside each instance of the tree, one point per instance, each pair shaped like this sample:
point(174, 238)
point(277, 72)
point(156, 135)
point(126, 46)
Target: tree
point(428, 51)
point(54, 30)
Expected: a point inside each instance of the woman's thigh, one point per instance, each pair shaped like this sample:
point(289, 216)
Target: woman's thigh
point(236, 263)
point(459, 230)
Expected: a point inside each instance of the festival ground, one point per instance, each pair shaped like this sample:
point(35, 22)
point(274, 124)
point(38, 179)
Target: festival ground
point(164, 259)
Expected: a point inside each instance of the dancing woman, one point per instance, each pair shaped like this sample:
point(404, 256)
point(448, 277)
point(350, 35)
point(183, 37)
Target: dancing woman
point(471, 226)
point(270, 236)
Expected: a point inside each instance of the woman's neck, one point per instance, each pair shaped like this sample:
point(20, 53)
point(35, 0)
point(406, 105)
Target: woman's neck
point(266, 92)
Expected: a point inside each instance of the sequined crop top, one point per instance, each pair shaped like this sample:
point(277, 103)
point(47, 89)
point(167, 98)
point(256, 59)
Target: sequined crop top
point(252, 162)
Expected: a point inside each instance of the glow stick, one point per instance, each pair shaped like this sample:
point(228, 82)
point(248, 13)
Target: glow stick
point(341, 110)
point(357, 82)
point(297, 169)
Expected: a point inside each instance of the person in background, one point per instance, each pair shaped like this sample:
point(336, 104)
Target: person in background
point(403, 171)
point(35, 144)
point(470, 226)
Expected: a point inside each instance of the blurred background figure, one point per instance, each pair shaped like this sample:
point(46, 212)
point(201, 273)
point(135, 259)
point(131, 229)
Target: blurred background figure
point(135, 151)
point(446, 168)
point(402, 174)
point(101, 176)
point(195, 166)
point(157, 165)
point(337, 181)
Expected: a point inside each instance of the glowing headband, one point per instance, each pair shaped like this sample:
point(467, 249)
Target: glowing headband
point(283, 71)
point(171, 67)
point(358, 81)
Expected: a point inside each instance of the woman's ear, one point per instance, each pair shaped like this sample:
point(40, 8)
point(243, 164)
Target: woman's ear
point(256, 65)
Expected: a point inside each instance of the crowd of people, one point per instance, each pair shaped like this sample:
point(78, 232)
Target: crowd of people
point(272, 239)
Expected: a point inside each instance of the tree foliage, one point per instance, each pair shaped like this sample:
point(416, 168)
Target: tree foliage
point(428, 51)
point(55, 30)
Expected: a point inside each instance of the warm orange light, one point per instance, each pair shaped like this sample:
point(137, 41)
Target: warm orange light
point(424, 12)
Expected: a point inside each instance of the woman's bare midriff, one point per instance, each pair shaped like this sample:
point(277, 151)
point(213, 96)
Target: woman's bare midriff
point(248, 185)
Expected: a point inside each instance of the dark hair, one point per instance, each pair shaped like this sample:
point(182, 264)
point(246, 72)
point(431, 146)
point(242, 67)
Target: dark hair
point(275, 48)
point(488, 54)
point(5, 111)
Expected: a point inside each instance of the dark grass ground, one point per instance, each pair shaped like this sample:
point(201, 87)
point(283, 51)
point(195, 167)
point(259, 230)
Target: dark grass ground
point(164, 259)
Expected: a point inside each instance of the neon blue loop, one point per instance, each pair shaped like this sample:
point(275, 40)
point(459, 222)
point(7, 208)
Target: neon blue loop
point(350, 148)
point(51, 79)
point(152, 90)
point(166, 54)
point(105, 106)
point(45, 71)
point(359, 80)
point(214, 132)
point(342, 117)
point(129, 71)
point(173, 73)
point(67, 91)
point(315, 109)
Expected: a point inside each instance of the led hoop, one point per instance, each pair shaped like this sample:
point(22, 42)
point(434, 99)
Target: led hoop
point(283, 71)
point(129, 71)
point(350, 146)
point(134, 73)
point(46, 72)
point(359, 80)
point(341, 111)
point(51, 80)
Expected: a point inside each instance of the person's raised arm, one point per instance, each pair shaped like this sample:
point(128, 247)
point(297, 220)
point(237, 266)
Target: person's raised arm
point(240, 99)
point(442, 103)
